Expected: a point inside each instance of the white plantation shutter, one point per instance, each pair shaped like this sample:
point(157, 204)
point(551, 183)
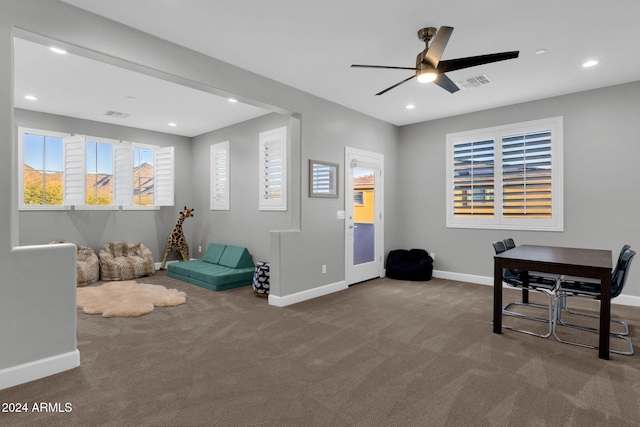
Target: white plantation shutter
point(164, 176)
point(272, 170)
point(527, 175)
point(74, 170)
point(219, 171)
point(123, 174)
point(473, 180)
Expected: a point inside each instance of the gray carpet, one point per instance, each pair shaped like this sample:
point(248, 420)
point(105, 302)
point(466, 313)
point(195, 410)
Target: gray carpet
point(382, 353)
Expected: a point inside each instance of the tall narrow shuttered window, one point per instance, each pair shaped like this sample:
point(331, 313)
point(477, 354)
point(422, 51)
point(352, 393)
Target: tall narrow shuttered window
point(506, 177)
point(220, 176)
point(273, 170)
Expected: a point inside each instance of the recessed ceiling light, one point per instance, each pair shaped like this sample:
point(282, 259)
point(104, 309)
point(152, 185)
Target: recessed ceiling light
point(31, 98)
point(131, 98)
point(233, 100)
point(590, 63)
point(172, 124)
point(541, 51)
point(410, 106)
point(57, 50)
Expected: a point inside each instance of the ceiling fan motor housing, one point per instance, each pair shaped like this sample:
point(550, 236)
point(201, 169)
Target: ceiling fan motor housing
point(426, 34)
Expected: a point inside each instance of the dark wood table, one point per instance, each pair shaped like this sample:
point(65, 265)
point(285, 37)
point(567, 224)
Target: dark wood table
point(591, 263)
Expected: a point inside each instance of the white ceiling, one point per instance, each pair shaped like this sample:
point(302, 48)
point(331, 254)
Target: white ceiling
point(75, 86)
point(311, 45)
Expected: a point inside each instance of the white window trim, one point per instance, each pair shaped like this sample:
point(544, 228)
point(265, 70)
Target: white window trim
point(216, 202)
point(555, 223)
point(164, 178)
point(84, 207)
point(21, 206)
point(272, 138)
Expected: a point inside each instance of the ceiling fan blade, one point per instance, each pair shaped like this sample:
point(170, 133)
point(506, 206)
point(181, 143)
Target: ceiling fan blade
point(445, 83)
point(394, 86)
point(434, 53)
point(472, 61)
point(384, 66)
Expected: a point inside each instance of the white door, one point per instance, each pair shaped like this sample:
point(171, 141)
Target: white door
point(364, 227)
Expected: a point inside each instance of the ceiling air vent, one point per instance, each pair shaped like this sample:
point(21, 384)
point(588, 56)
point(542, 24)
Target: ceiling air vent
point(116, 114)
point(473, 82)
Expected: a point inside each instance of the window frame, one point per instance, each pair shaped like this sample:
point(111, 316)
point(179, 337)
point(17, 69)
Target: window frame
point(358, 198)
point(113, 207)
point(46, 133)
point(164, 164)
point(497, 220)
point(139, 146)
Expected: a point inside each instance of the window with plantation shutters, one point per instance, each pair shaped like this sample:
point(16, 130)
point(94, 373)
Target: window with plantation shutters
point(506, 177)
point(63, 171)
point(273, 170)
point(219, 176)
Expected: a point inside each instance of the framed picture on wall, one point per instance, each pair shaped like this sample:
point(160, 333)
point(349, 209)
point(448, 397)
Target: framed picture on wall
point(323, 179)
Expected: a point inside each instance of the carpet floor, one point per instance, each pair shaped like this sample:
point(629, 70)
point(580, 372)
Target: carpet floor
point(381, 353)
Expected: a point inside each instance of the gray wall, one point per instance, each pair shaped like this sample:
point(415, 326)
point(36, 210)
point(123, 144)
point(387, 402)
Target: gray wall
point(326, 130)
point(601, 177)
point(94, 228)
point(243, 224)
point(37, 287)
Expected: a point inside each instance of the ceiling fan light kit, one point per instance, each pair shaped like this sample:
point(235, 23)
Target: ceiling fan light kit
point(429, 66)
point(425, 76)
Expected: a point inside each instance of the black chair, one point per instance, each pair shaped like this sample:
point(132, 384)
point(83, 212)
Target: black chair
point(562, 306)
point(582, 287)
point(509, 243)
point(516, 279)
point(534, 276)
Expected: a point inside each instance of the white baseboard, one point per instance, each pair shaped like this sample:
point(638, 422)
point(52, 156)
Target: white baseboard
point(461, 277)
point(37, 369)
point(484, 280)
point(307, 295)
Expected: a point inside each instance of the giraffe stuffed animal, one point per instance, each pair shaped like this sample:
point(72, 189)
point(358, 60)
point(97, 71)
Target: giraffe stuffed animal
point(176, 240)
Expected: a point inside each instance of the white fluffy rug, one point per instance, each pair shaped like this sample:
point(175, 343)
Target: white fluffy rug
point(127, 298)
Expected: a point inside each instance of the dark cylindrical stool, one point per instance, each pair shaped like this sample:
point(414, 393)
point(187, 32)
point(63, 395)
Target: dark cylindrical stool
point(261, 279)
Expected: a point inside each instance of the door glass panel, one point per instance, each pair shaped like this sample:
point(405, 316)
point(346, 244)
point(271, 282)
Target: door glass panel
point(363, 216)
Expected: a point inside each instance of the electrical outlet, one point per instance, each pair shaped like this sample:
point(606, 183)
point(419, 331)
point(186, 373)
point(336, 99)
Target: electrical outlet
point(199, 248)
point(324, 269)
point(432, 255)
